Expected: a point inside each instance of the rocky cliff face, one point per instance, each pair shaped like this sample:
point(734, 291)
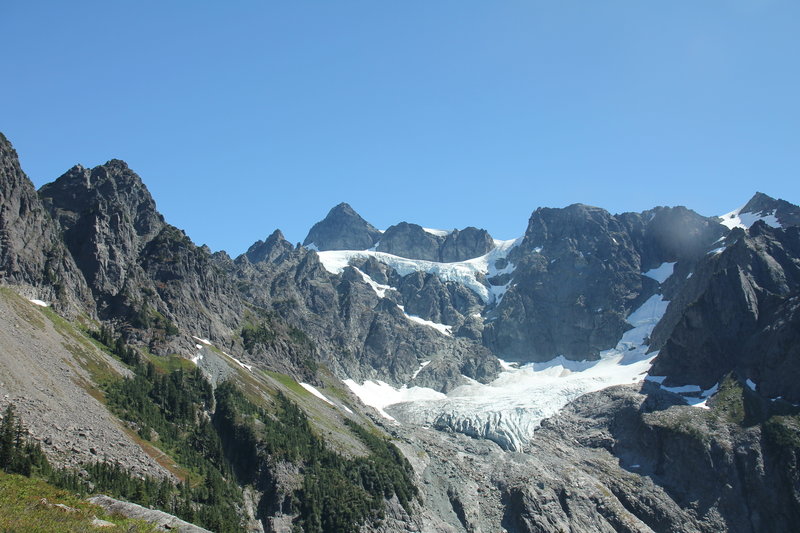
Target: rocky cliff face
point(415, 242)
point(737, 312)
point(140, 269)
point(578, 274)
point(342, 229)
point(32, 254)
point(355, 331)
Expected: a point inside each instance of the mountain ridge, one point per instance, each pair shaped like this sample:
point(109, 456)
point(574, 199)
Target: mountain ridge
point(580, 296)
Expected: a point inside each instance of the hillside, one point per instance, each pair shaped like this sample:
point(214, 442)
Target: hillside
point(601, 372)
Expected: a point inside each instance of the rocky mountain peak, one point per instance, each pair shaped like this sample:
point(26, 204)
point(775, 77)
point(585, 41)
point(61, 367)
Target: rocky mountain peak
point(107, 216)
point(787, 214)
point(32, 255)
point(342, 229)
point(271, 250)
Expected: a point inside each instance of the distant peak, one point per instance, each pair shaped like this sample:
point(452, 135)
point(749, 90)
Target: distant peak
point(342, 229)
point(117, 163)
point(758, 203)
point(275, 236)
point(343, 209)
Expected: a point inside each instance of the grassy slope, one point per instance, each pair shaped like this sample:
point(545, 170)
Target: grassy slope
point(30, 505)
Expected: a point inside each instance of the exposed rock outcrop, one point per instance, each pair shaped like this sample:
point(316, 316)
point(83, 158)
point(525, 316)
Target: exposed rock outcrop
point(32, 255)
point(578, 274)
point(738, 312)
point(342, 229)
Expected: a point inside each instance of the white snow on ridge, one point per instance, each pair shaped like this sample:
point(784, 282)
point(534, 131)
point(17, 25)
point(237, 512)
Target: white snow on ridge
point(442, 328)
point(437, 232)
point(464, 272)
point(40, 303)
point(737, 219)
point(661, 272)
point(509, 409)
point(313, 390)
point(379, 289)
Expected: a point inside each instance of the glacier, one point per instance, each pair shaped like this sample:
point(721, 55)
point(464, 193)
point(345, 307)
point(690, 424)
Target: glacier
point(509, 409)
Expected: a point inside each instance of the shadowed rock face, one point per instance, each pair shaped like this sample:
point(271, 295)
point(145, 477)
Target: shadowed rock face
point(342, 229)
point(31, 251)
point(140, 269)
point(108, 216)
point(413, 242)
point(273, 250)
point(739, 312)
point(578, 274)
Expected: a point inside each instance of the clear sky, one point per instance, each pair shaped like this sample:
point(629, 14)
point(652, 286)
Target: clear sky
point(246, 116)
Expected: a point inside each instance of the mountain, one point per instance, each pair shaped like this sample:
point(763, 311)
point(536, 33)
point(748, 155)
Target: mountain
point(602, 372)
point(32, 255)
point(342, 229)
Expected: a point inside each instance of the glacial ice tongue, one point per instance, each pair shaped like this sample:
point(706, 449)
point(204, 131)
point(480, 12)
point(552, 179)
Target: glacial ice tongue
point(509, 409)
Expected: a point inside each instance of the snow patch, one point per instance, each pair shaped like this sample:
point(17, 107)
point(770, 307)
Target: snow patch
point(243, 365)
point(379, 394)
point(441, 328)
point(204, 341)
point(437, 232)
point(661, 272)
point(40, 303)
point(737, 219)
point(379, 289)
point(751, 384)
point(312, 246)
point(421, 366)
point(313, 390)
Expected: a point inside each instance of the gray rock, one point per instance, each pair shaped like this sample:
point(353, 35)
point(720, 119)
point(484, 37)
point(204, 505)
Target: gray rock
point(342, 229)
point(411, 241)
point(32, 255)
point(738, 312)
point(163, 521)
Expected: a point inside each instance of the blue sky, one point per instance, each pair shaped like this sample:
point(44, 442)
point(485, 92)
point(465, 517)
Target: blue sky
point(242, 117)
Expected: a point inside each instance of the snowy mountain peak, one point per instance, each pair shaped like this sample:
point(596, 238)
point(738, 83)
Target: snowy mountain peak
point(776, 213)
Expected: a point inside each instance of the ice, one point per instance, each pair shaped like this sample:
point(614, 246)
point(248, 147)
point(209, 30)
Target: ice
point(379, 394)
point(313, 390)
point(40, 303)
point(661, 272)
point(509, 409)
point(465, 272)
